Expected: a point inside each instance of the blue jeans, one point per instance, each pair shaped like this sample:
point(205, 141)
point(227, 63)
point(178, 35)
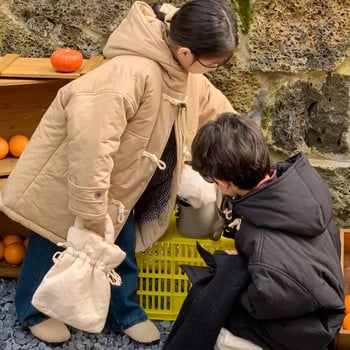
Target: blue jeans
point(124, 311)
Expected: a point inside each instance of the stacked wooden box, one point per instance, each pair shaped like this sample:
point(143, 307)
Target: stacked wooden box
point(27, 87)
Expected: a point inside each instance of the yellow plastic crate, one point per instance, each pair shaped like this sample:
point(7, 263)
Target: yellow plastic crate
point(162, 285)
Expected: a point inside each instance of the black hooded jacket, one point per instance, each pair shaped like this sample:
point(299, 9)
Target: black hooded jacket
point(293, 249)
point(293, 299)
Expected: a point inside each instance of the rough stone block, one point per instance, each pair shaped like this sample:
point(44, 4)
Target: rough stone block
point(306, 114)
point(299, 35)
point(336, 174)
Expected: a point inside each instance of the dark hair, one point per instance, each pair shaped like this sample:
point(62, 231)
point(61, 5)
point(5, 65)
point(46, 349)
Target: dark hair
point(207, 27)
point(231, 148)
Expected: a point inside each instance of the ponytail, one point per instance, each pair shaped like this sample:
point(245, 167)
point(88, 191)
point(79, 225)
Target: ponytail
point(164, 11)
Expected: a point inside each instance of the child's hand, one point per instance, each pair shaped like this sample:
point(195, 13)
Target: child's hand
point(231, 252)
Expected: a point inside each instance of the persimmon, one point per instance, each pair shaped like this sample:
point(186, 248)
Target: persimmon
point(25, 242)
point(2, 247)
point(17, 144)
point(346, 322)
point(11, 238)
point(4, 148)
point(14, 253)
point(347, 303)
point(66, 60)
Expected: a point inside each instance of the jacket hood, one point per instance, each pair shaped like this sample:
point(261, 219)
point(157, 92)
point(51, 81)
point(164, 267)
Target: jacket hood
point(297, 201)
point(142, 34)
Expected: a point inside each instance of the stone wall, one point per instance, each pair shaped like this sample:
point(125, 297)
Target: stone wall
point(291, 71)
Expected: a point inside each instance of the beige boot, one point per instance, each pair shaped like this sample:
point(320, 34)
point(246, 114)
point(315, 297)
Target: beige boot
point(51, 331)
point(145, 332)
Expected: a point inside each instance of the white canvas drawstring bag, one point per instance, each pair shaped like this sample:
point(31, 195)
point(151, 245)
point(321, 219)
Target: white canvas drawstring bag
point(76, 290)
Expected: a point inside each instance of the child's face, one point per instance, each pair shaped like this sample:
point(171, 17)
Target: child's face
point(229, 189)
point(194, 65)
point(200, 66)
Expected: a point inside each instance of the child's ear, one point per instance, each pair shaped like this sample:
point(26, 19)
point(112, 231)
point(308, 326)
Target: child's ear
point(184, 52)
point(228, 188)
point(223, 183)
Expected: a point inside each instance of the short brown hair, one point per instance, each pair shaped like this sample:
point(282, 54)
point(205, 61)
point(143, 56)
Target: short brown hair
point(231, 148)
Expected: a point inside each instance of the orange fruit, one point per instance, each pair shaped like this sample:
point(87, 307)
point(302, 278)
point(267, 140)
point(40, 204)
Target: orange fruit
point(25, 242)
point(347, 303)
point(14, 253)
point(4, 148)
point(17, 144)
point(11, 238)
point(2, 247)
point(346, 322)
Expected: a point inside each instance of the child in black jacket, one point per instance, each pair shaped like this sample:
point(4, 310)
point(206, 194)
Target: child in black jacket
point(281, 220)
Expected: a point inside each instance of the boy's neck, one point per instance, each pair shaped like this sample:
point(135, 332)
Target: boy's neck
point(268, 178)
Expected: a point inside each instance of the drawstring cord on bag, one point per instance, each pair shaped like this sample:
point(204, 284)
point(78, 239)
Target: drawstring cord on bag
point(113, 277)
point(57, 256)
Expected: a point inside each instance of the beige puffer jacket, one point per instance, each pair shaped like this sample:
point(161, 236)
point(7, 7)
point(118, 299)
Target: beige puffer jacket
point(99, 143)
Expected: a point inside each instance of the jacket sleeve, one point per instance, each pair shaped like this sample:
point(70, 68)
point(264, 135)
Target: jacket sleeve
point(273, 294)
point(212, 102)
point(208, 304)
point(95, 124)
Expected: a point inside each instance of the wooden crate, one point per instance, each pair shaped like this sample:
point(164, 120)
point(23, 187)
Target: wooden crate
point(343, 338)
point(27, 87)
point(22, 104)
point(7, 226)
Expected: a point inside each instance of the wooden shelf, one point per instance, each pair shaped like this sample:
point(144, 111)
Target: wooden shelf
point(6, 165)
point(7, 270)
point(16, 82)
point(14, 66)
